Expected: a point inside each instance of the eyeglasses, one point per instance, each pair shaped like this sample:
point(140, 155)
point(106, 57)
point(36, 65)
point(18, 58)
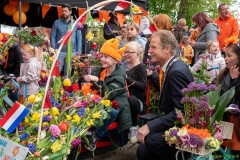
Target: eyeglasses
point(128, 52)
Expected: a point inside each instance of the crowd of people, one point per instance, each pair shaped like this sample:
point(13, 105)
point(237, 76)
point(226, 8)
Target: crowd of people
point(123, 64)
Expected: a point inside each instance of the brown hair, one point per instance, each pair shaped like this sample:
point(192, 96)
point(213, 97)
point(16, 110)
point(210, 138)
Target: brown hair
point(201, 20)
point(67, 6)
point(210, 42)
point(235, 48)
point(220, 6)
point(163, 21)
point(184, 39)
point(182, 21)
point(136, 26)
point(166, 39)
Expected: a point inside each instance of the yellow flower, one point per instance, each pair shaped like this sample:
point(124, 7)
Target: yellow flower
point(56, 146)
point(45, 123)
point(40, 95)
point(50, 59)
point(96, 115)
point(213, 144)
point(89, 36)
point(31, 98)
point(45, 113)
point(54, 111)
point(26, 120)
point(67, 82)
point(68, 117)
point(136, 9)
point(76, 118)
point(90, 122)
point(105, 102)
point(182, 132)
point(36, 116)
point(87, 110)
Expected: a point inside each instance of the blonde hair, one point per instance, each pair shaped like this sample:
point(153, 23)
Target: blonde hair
point(138, 48)
point(136, 26)
point(185, 38)
point(210, 42)
point(32, 50)
point(182, 21)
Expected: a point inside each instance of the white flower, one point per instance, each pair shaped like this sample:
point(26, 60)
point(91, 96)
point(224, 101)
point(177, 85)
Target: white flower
point(43, 134)
point(182, 132)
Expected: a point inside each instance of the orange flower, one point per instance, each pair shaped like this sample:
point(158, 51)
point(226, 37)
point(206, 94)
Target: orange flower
point(231, 40)
point(81, 64)
point(86, 88)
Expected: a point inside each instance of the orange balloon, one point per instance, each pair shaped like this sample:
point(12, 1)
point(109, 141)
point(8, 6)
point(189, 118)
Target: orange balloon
point(25, 7)
point(8, 10)
point(1, 37)
point(16, 17)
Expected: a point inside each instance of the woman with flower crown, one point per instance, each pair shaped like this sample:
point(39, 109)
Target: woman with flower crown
point(230, 77)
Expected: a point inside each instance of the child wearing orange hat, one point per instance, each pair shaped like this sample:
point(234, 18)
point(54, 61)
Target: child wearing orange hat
point(29, 72)
point(111, 76)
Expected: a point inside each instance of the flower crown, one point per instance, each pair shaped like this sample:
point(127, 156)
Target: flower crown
point(231, 40)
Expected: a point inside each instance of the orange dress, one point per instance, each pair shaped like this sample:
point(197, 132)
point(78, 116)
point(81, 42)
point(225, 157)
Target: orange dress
point(188, 52)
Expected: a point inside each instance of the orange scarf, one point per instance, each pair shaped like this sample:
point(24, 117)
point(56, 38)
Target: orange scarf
point(103, 74)
point(161, 78)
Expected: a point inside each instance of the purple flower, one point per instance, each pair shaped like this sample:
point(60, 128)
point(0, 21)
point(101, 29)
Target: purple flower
point(204, 98)
point(54, 130)
point(47, 43)
point(44, 49)
point(192, 86)
point(76, 142)
point(32, 147)
point(193, 100)
point(77, 54)
point(185, 90)
point(92, 52)
point(29, 106)
point(234, 106)
point(45, 119)
point(53, 139)
point(173, 132)
point(97, 100)
point(80, 26)
point(21, 128)
point(23, 136)
point(151, 67)
point(192, 120)
point(81, 112)
point(218, 136)
point(212, 87)
point(195, 141)
point(202, 87)
point(184, 100)
point(203, 104)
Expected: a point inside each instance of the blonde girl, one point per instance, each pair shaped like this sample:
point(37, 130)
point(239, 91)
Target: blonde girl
point(187, 50)
point(29, 72)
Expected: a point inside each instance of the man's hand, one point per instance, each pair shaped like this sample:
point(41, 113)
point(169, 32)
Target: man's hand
point(89, 78)
point(142, 132)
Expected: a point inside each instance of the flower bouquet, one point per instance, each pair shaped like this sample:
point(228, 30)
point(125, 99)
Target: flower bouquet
point(83, 64)
point(63, 125)
point(201, 132)
point(153, 94)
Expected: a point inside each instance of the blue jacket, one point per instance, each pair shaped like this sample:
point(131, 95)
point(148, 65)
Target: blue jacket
point(59, 29)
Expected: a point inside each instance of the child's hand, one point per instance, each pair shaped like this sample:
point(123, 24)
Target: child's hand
point(234, 72)
point(18, 79)
point(192, 55)
point(149, 72)
point(89, 78)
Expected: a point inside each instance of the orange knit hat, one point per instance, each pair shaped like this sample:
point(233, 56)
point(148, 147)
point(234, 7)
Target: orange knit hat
point(110, 48)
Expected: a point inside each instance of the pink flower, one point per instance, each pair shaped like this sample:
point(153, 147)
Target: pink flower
point(80, 104)
point(218, 136)
point(54, 130)
point(76, 142)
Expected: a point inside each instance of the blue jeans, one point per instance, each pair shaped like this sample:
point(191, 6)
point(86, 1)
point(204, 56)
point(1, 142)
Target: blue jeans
point(62, 61)
point(102, 129)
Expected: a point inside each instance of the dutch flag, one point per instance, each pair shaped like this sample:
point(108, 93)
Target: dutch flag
point(13, 117)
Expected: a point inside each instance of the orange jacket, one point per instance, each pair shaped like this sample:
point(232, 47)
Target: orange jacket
point(194, 35)
point(228, 27)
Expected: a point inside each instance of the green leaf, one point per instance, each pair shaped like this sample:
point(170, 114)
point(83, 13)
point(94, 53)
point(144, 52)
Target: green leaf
point(214, 96)
point(104, 114)
point(57, 84)
point(221, 105)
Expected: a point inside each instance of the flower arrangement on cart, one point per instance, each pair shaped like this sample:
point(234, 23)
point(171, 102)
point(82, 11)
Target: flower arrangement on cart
point(199, 128)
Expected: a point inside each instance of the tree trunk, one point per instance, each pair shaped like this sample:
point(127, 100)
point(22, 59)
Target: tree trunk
point(182, 9)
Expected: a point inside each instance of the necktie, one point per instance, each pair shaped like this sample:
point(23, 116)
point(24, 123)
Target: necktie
point(161, 78)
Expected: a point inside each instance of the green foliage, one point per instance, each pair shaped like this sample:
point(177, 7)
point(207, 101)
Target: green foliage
point(172, 7)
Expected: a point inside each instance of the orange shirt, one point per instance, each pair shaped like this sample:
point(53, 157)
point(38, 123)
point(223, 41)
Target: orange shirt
point(228, 27)
point(188, 52)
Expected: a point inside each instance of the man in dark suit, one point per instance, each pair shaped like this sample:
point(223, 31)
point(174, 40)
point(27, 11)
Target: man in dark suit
point(176, 77)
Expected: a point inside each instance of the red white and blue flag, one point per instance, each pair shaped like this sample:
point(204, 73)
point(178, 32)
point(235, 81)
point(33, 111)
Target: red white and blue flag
point(13, 117)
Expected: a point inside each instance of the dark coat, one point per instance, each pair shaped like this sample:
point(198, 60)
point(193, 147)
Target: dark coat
point(177, 78)
point(112, 82)
point(107, 32)
point(14, 60)
point(227, 84)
